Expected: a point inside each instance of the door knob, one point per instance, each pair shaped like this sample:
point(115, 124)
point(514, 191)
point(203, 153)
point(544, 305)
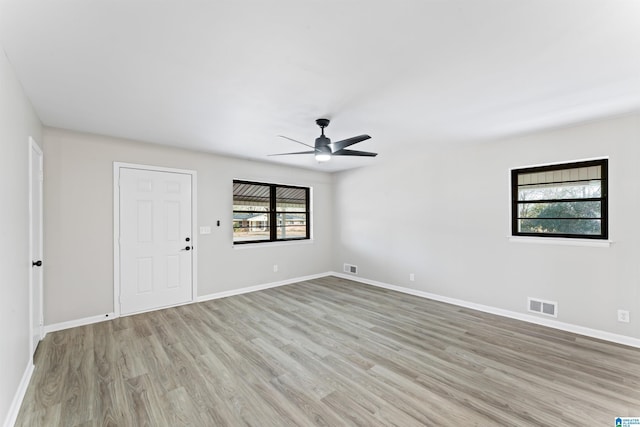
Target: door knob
point(188, 248)
point(36, 263)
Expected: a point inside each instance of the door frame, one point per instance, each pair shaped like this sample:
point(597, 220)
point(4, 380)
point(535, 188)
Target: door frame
point(34, 147)
point(116, 227)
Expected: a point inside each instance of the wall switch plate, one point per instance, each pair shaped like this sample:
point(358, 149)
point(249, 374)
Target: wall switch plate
point(412, 277)
point(275, 268)
point(205, 230)
point(623, 316)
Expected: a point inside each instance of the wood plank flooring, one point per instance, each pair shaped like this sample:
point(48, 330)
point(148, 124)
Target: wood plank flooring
point(327, 352)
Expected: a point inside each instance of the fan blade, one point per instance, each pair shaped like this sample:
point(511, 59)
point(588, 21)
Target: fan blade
point(337, 146)
point(295, 140)
point(298, 152)
point(354, 153)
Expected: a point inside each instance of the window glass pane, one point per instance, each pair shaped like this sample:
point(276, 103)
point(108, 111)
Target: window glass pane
point(291, 226)
point(560, 210)
point(250, 212)
point(250, 226)
point(572, 190)
point(250, 197)
point(560, 226)
point(291, 199)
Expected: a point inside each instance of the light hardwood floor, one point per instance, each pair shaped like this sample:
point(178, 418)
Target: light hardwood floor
point(327, 352)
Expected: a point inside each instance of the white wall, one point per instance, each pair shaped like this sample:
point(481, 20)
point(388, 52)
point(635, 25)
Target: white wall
point(79, 221)
point(443, 213)
point(17, 122)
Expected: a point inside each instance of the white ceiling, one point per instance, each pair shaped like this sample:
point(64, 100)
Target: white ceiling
point(227, 76)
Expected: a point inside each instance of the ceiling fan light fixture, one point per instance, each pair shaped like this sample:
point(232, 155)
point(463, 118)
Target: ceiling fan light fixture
point(323, 154)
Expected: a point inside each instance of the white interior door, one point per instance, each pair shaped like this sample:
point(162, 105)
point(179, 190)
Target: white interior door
point(35, 243)
point(155, 239)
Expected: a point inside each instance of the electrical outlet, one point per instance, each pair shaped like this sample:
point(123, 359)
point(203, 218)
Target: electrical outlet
point(275, 268)
point(412, 277)
point(623, 316)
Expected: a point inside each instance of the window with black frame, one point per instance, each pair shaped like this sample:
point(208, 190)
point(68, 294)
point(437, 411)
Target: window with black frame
point(563, 200)
point(264, 212)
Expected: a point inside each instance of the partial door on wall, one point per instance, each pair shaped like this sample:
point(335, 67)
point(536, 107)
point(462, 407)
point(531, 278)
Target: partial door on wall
point(155, 239)
point(35, 243)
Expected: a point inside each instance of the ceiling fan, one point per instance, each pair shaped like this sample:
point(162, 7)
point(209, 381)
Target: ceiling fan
point(324, 149)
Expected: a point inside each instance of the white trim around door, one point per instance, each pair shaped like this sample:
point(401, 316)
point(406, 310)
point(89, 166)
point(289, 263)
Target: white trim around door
point(117, 166)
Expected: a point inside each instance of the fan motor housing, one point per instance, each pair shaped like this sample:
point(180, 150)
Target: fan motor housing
point(321, 141)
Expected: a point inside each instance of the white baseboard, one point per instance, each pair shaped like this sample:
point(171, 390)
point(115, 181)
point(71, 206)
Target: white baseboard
point(14, 409)
point(568, 327)
point(255, 288)
point(78, 322)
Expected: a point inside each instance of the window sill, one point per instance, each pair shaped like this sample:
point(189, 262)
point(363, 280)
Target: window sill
point(560, 241)
point(272, 244)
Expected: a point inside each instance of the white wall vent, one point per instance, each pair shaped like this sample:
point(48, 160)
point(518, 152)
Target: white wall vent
point(548, 308)
point(351, 269)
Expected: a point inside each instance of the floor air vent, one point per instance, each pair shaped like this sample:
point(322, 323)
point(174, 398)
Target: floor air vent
point(351, 269)
point(548, 308)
